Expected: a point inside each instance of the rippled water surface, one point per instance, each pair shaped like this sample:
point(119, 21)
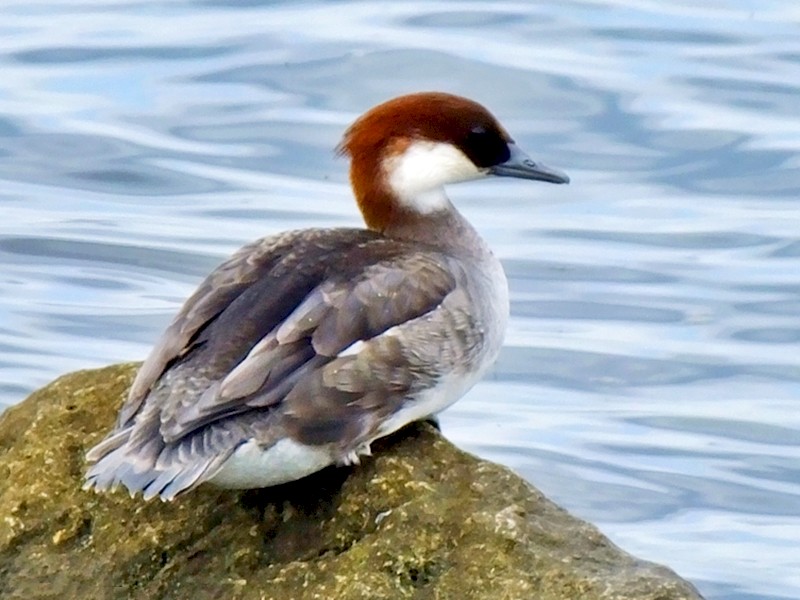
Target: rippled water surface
point(651, 377)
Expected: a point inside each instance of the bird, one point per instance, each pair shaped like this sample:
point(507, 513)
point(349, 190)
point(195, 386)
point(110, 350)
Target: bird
point(304, 347)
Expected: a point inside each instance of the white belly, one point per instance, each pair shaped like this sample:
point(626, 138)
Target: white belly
point(252, 467)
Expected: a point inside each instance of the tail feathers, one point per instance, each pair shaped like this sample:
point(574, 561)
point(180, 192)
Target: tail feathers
point(152, 469)
point(111, 443)
point(177, 479)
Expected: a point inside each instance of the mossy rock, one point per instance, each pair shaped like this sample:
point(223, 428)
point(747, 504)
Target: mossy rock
point(421, 519)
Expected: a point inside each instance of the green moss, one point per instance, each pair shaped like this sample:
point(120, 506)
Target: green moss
point(420, 520)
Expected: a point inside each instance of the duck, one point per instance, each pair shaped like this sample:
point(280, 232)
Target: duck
point(304, 347)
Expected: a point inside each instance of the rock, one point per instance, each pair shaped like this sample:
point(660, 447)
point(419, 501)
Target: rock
point(421, 519)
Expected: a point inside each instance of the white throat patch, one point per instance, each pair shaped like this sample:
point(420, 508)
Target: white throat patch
point(418, 174)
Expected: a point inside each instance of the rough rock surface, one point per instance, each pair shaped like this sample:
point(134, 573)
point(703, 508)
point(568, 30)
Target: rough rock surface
point(421, 519)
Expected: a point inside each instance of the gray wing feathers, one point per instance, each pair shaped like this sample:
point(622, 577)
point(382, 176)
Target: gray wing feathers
point(213, 295)
point(332, 317)
point(387, 295)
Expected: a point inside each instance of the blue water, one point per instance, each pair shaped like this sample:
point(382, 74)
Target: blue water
point(651, 377)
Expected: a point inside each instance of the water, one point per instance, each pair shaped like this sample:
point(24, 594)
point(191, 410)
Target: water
point(651, 377)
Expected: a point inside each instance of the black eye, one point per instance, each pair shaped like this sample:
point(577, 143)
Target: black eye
point(485, 146)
